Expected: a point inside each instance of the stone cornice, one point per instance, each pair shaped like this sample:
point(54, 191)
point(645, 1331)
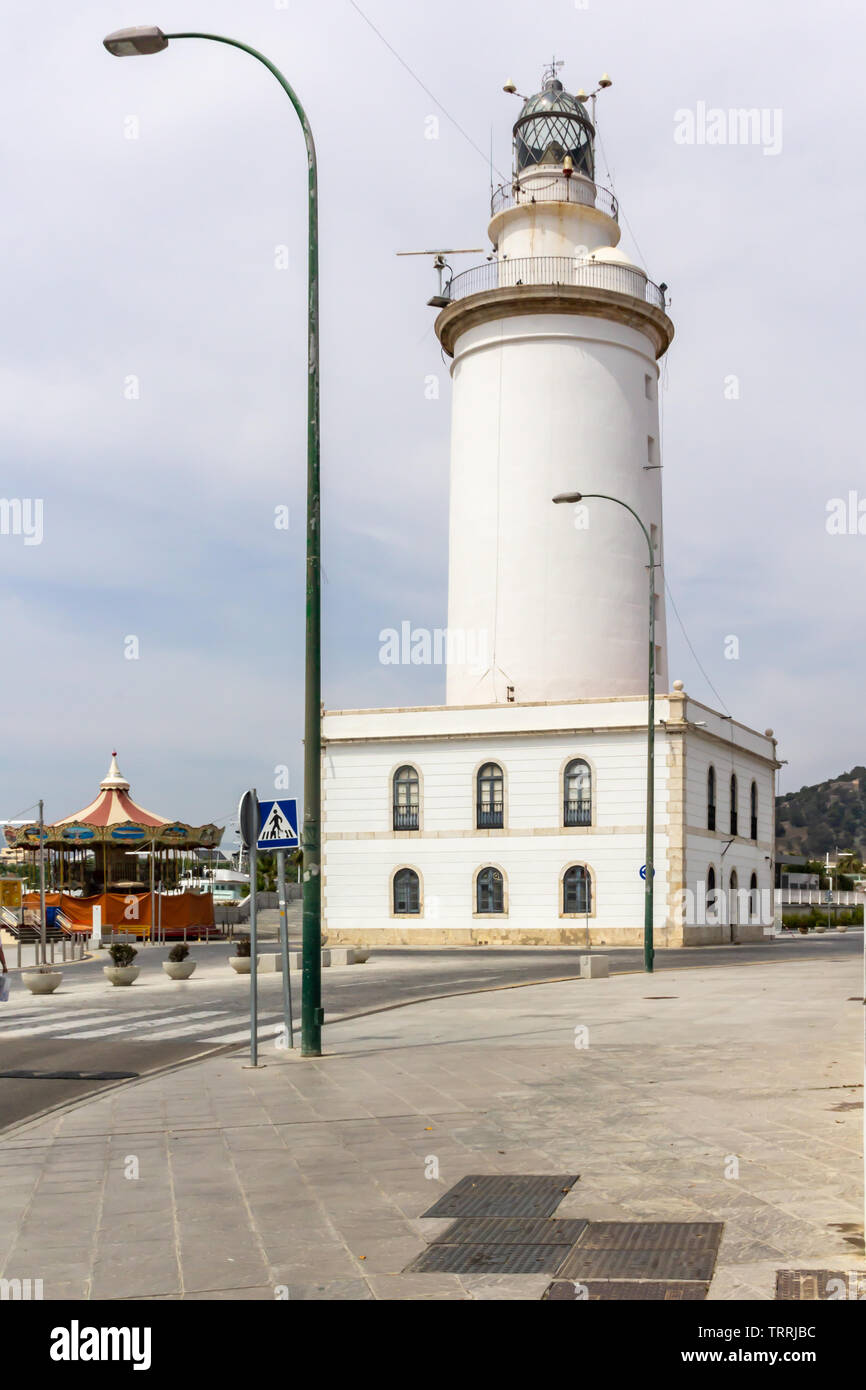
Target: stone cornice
point(587, 300)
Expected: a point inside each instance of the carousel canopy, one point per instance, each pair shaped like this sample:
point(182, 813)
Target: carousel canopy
point(114, 805)
point(114, 818)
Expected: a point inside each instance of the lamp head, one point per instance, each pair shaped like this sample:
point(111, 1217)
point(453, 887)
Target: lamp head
point(568, 497)
point(127, 43)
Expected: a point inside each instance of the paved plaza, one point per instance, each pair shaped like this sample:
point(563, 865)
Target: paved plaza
point(729, 1094)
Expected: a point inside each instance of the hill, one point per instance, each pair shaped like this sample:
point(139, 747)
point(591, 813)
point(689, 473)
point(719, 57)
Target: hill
point(827, 816)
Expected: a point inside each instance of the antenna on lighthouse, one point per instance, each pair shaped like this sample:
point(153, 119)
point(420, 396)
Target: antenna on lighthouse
point(440, 264)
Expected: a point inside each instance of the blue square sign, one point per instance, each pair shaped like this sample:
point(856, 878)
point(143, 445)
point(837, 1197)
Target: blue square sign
point(278, 821)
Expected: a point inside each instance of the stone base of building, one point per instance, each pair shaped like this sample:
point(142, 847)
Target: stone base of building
point(665, 937)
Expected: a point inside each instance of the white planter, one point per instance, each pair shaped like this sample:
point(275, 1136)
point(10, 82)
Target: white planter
point(179, 969)
point(121, 974)
point(241, 964)
point(41, 982)
point(843, 926)
point(822, 928)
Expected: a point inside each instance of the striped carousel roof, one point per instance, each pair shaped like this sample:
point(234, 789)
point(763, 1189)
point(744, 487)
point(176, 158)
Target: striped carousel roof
point(114, 805)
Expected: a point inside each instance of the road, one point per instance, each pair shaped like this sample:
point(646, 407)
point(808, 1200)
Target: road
point(90, 1035)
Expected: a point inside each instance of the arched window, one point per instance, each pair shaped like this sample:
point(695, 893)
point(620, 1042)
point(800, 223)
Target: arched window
point(753, 895)
point(712, 898)
point(753, 806)
point(407, 893)
point(711, 798)
point(734, 903)
point(577, 794)
point(733, 804)
point(489, 806)
point(406, 799)
point(576, 890)
point(489, 891)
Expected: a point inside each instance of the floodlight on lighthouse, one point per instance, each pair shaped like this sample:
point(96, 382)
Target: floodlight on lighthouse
point(442, 299)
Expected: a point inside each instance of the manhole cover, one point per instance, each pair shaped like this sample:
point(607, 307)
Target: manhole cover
point(612, 1289)
point(583, 1264)
point(652, 1235)
point(810, 1285)
point(492, 1194)
point(511, 1231)
point(487, 1259)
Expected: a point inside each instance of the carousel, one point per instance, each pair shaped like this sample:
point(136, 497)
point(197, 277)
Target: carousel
point(116, 855)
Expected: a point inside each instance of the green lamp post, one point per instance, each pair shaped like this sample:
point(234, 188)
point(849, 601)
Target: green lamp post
point(648, 948)
point(144, 40)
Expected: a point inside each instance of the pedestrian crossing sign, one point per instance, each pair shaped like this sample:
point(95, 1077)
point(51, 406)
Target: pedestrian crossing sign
point(279, 825)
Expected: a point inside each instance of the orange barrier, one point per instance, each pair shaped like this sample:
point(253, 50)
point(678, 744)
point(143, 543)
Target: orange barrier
point(131, 911)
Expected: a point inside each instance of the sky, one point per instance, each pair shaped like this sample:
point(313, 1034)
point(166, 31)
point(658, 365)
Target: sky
point(153, 344)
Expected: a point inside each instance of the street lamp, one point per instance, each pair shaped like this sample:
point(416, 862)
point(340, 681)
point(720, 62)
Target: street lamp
point(126, 43)
point(648, 948)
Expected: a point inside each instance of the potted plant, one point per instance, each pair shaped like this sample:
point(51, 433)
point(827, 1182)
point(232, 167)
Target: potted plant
point(177, 967)
point(42, 979)
point(121, 971)
point(242, 962)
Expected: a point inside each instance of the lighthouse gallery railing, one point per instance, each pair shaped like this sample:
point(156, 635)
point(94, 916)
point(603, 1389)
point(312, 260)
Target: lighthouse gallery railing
point(556, 270)
point(556, 189)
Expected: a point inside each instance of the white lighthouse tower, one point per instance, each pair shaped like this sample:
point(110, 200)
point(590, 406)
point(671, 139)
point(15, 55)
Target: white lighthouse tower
point(555, 344)
point(516, 812)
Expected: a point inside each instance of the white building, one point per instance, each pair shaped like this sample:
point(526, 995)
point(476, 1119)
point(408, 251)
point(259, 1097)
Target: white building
point(516, 812)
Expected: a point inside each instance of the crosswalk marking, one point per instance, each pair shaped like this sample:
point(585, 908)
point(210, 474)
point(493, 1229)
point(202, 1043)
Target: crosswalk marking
point(221, 1023)
point(198, 1030)
point(243, 1034)
point(148, 1023)
point(80, 1022)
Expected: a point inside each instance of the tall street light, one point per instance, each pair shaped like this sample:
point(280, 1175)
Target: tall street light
point(648, 948)
point(128, 43)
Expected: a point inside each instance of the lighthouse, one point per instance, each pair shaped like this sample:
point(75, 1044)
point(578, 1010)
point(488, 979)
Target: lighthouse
point(555, 345)
point(515, 812)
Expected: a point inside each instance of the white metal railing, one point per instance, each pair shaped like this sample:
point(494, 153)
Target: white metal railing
point(817, 897)
point(556, 189)
point(556, 270)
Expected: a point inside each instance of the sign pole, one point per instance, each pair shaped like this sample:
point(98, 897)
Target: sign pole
point(284, 945)
point(254, 940)
point(42, 934)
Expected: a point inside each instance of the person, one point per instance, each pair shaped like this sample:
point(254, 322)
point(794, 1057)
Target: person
point(3, 960)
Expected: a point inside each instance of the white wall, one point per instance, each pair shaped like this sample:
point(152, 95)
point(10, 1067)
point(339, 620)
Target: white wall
point(544, 404)
point(705, 847)
point(361, 850)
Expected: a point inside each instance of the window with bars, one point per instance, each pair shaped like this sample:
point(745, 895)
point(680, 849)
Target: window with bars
point(406, 798)
point(753, 808)
point(577, 793)
point(734, 816)
point(489, 810)
point(711, 798)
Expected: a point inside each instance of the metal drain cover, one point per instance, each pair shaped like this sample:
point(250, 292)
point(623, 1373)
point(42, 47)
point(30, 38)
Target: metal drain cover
point(819, 1284)
point(583, 1264)
point(607, 1290)
point(505, 1230)
point(492, 1194)
point(487, 1259)
point(652, 1235)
